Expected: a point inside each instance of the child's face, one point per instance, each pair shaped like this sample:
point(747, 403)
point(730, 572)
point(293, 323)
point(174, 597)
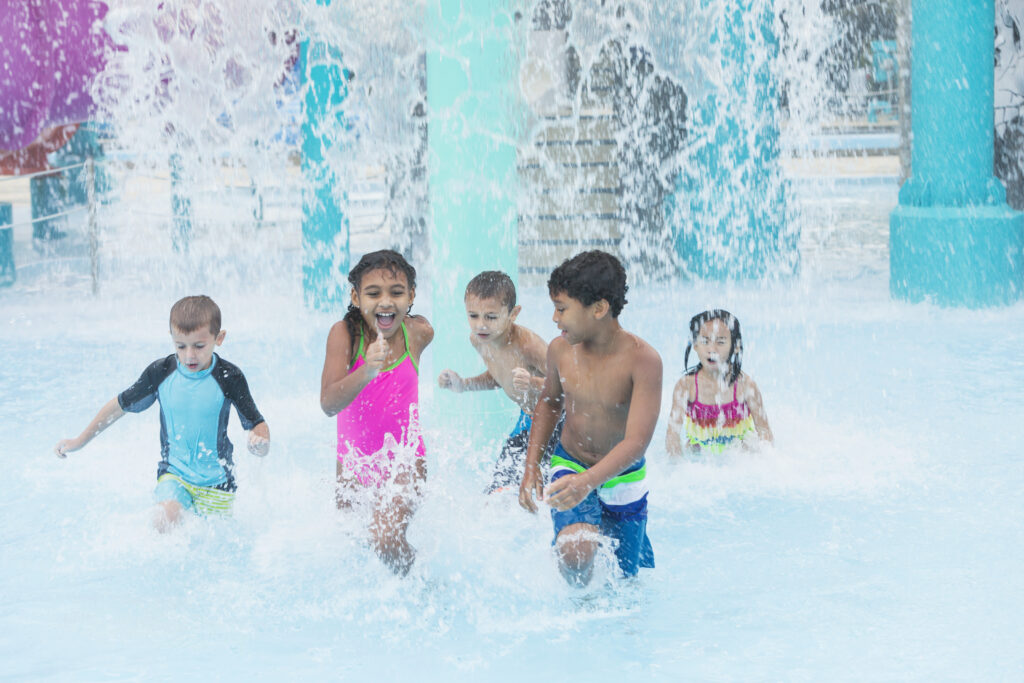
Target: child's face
point(571, 316)
point(195, 349)
point(713, 344)
point(384, 298)
point(489, 319)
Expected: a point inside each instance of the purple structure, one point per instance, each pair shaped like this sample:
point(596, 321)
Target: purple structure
point(50, 52)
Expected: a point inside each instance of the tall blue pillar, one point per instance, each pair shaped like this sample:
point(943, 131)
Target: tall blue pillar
point(953, 239)
point(7, 271)
point(472, 132)
point(181, 206)
point(325, 235)
point(729, 213)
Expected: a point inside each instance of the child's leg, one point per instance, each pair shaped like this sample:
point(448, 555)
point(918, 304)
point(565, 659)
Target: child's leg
point(172, 498)
point(166, 515)
point(392, 515)
point(577, 545)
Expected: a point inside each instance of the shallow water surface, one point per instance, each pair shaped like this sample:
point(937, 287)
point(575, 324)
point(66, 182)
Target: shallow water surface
point(880, 539)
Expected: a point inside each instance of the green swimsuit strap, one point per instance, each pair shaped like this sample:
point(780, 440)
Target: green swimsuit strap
point(405, 335)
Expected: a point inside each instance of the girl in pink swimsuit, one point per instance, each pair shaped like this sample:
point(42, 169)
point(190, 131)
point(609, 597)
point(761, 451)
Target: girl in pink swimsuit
point(732, 409)
point(371, 382)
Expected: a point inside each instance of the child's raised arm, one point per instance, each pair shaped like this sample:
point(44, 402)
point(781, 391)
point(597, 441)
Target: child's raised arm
point(449, 379)
point(545, 417)
point(673, 435)
point(753, 398)
point(339, 387)
point(110, 413)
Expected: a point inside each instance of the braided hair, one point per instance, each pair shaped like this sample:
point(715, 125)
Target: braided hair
point(735, 350)
point(386, 259)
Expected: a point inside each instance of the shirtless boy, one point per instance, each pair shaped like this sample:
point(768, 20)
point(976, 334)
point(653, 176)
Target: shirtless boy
point(608, 381)
point(515, 358)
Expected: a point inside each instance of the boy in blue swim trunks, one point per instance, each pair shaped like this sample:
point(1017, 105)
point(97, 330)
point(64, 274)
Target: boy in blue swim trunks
point(195, 388)
point(609, 383)
point(515, 358)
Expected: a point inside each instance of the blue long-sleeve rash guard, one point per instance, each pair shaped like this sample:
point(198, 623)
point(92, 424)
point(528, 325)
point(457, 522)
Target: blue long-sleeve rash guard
point(194, 408)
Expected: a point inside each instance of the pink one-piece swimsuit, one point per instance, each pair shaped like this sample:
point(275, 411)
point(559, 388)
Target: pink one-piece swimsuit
point(382, 422)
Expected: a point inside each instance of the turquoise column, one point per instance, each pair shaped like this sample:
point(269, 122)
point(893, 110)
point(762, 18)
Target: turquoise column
point(181, 206)
point(472, 132)
point(729, 213)
point(325, 236)
point(953, 239)
point(7, 271)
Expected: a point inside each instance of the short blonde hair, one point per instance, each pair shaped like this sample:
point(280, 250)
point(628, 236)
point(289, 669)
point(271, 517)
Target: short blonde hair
point(192, 312)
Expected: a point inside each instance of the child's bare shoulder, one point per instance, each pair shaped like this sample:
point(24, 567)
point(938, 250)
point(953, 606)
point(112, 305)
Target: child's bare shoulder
point(641, 351)
point(746, 385)
point(419, 329)
point(528, 343)
point(684, 386)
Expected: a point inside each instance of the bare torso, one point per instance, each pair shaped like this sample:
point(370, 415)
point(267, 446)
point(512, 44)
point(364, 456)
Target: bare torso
point(525, 350)
point(597, 390)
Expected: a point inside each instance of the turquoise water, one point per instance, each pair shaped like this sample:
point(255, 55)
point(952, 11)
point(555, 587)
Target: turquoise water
point(879, 540)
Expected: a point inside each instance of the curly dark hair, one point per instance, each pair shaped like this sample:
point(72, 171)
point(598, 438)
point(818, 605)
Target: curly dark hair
point(589, 277)
point(387, 259)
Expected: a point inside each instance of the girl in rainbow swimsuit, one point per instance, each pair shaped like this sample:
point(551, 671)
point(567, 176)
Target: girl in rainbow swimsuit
point(715, 404)
point(371, 382)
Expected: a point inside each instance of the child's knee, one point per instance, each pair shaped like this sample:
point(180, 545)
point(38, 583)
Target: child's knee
point(167, 515)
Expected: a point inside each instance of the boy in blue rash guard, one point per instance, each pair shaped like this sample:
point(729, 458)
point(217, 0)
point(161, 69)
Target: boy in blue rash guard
point(515, 361)
point(195, 388)
point(609, 382)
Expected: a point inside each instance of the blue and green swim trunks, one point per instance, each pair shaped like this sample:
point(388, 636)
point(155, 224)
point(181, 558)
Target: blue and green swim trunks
point(618, 508)
point(203, 500)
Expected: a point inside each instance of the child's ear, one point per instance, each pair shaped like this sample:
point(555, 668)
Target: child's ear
point(515, 312)
point(601, 308)
point(220, 337)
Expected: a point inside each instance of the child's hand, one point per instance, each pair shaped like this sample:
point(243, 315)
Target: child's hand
point(259, 439)
point(522, 380)
point(449, 379)
point(65, 446)
point(376, 354)
point(568, 491)
point(532, 485)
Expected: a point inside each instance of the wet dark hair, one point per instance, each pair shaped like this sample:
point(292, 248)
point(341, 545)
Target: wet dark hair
point(589, 277)
point(192, 312)
point(493, 284)
point(735, 350)
point(386, 259)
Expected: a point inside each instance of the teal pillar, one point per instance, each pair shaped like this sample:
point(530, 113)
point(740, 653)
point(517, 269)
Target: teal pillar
point(325, 230)
point(953, 239)
point(472, 133)
point(181, 206)
point(729, 213)
point(7, 271)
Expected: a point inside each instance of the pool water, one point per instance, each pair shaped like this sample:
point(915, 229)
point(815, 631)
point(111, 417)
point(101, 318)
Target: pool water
point(880, 539)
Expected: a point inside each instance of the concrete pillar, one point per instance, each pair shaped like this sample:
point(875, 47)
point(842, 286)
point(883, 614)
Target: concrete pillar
point(729, 211)
point(472, 184)
point(325, 231)
point(953, 239)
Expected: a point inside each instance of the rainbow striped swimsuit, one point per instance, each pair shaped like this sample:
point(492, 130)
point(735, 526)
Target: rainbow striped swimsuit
point(713, 427)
